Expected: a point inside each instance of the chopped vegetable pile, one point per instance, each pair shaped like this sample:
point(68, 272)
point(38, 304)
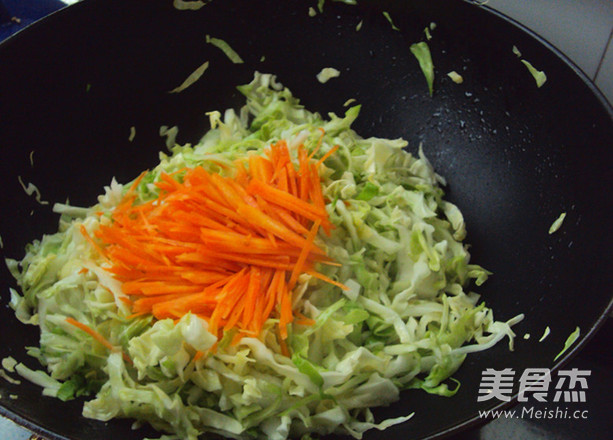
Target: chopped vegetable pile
point(279, 278)
point(220, 247)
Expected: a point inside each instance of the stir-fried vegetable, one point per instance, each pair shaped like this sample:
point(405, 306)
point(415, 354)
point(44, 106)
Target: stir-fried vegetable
point(569, 342)
point(455, 77)
point(225, 48)
point(192, 78)
point(557, 224)
point(539, 76)
point(388, 17)
point(279, 278)
point(192, 5)
point(327, 73)
point(421, 51)
point(546, 333)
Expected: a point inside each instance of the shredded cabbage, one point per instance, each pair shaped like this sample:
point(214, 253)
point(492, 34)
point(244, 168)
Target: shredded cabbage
point(569, 341)
point(421, 51)
point(388, 17)
point(455, 77)
point(132, 134)
point(407, 321)
point(192, 78)
point(545, 334)
point(8, 363)
point(225, 48)
point(193, 5)
point(31, 189)
point(539, 76)
point(327, 73)
point(557, 224)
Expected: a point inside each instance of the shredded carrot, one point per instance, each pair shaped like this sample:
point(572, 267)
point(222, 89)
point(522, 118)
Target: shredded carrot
point(327, 279)
point(283, 345)
point(303, 255)
point(303, 320)
point(92, 242)
point(321, 138)
point(227, 247)
point(126, 300)
point(97, 336)
point(327, 155)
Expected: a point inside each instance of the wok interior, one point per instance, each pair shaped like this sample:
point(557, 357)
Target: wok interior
point(515, 156)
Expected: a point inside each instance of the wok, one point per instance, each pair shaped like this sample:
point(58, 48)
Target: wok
point(515, 156)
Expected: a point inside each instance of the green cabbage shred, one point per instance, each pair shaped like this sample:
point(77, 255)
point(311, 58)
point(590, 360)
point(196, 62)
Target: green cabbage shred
point(388, 17)
point(421, 51)
point(225, 48)
point(539, 76)
point(569, 341)
point(192, 78)
point(557, 224)
point(193, 5)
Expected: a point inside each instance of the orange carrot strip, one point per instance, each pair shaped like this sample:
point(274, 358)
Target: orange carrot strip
point(136, 315)
point(284, 349)
point(258, 316)
point(327, 155)
point(264, 221)
point(92, 242)
point(326, 279)
point(282, 182)
point(303, 255)
point(302, 173)
point(156, 288)
point(252, 293)
point(203, 277)
point(97, 336)
point(136, 183)
point(240, 190)
point(286, 200)
point(227, 212)
point(271, 293)
point(260, 168)
point(277, 262)
point(247, 244)
point(303, 320)
point(227, 191)
point(321, 138)
point(316, 195)
point(291, 177)
point(285, 316)
point(291, 222)
point(236, 338)
point(146, 304)
point(125, 300)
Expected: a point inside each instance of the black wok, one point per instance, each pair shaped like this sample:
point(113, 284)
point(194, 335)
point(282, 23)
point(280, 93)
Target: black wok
point(515, 156)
